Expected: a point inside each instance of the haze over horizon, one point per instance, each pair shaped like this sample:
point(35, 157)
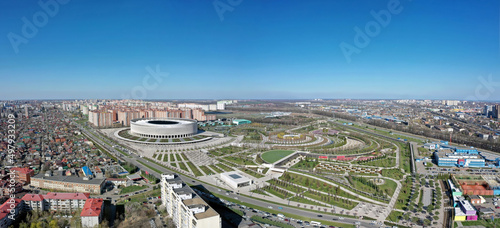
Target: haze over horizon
point(257, 50)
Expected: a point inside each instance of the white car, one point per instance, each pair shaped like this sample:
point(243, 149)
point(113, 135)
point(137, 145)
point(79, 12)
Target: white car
point(270, 207)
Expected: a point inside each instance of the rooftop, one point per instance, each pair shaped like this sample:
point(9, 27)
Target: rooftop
point(67, 196)
point(236, 177)
point(32, 197)
point(72, 179)
point(92, 207)
point(5, 208)
point(198, 201)
point(467, 206)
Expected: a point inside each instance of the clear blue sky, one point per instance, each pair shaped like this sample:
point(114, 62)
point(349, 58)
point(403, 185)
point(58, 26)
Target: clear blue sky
point(261, 49)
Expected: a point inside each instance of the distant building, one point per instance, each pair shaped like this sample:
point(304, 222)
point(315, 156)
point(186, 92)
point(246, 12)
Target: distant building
point(241, 121)
point(235, 179)
point(430, 146)
point(475, 199)
point(454, 190)
point(120, 181)
point(488, 111)
point(35, 202)
point(221, 105)
point(449, 158)
point(465, 211)
point(451, 103)
point(496, 111)
point(23, 174)
point(187, 209)
point(92, 211)
point(68, 183)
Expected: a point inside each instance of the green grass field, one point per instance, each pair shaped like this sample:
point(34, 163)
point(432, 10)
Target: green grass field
point(275, 155)
point(132, 188)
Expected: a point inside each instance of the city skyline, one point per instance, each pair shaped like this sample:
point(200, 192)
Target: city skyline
point(251, 50)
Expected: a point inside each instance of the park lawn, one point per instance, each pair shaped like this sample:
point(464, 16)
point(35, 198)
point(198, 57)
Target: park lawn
point(132, 188)
point(404, 194)
point(305, 201)
point(224, 167)
point(206, 170)
point(172, 157)
point(289, 187)
point(240, 161)
point(393, 173)
point(165, 157)
point(216, 169)
point(178, 157)
point(384, 162)
point(274, 155)
point(482, 222)
point(265, 170)
point(252, 173)
point(347, 204)
point(307, 164)
point(272, 191)
point(260, 191)
point(316, 185)
point(141, 197)
point(184, 156)
point(183, 166)
point(195, 170)
point(173, 164)
point(388, 187)
point(394, 216)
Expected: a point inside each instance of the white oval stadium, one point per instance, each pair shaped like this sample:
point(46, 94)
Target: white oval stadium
point(163, 128)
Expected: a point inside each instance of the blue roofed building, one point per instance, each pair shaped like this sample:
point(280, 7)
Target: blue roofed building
point(86, 171)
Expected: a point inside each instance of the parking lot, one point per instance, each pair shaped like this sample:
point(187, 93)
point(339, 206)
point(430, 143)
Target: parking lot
point(492, 203)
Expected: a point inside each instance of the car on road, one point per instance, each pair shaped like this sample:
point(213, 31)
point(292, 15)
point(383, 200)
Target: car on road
point(320, 216)
point(341, 218)
point(270, 207)
point(280, 208)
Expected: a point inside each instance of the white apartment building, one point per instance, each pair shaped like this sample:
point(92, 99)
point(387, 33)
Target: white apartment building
point(188, 210)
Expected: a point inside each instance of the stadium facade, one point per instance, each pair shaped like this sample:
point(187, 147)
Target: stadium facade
point(163, 128)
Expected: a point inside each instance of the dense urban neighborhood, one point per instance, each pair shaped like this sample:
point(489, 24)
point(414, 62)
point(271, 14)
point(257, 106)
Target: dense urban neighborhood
point(322, 163)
